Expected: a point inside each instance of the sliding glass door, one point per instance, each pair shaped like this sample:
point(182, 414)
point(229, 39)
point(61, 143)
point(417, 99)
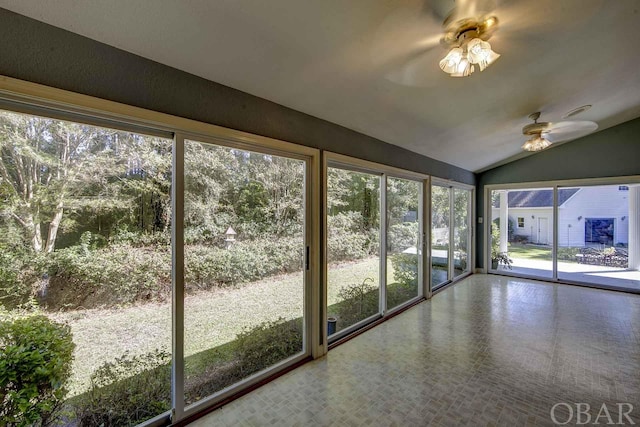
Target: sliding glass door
point(596, 228)
point(404, 249)
point(85, 272)
point(353, 248)
point(450, 232)
point(598, 235)
point(522, 230)
point(440, 234)
point(461, 231)
point(244, 264)
point(374, 243)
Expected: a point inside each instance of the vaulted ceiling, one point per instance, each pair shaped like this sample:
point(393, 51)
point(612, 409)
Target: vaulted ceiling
point(372, 65)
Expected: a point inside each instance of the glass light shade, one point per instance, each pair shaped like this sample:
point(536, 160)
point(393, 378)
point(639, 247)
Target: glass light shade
point(479, 52)
point(464, 68)
point(449, 63)
point(536, 143)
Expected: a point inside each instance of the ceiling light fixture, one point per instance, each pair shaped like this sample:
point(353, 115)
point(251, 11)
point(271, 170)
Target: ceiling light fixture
point(537, 142)
point(469, 46)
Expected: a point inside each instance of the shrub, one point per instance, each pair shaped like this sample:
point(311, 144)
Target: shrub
point(267, 344)
point(519, 238)
point(357, 302)
point(347, 240)
point(137, 239)
point(568, 253)
point(207, 267)
point(126, 392)
point(405, 268)
point(397, 293)
point(119, 274)
point(35, 363)
point(402, 236)
point(253, 350)
point(20, 271)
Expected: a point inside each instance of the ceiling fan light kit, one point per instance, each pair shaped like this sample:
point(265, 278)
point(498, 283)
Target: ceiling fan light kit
point(536, 143)
point(543, 134)
point(469, 46)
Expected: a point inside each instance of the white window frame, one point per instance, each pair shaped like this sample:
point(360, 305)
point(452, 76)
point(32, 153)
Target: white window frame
point(341, 161)
point(452, 185)
point(555, 185)
point(31, 98)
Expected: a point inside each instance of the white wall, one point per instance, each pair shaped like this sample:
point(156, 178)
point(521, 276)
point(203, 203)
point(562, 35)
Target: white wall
point(589, 202)
point(593, 202)
point(531, 217)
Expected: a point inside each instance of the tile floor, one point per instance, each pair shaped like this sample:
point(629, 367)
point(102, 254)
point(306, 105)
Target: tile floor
point(489, 350)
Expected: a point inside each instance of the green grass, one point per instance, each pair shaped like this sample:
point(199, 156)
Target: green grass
point(529, 252)
point(212, 319)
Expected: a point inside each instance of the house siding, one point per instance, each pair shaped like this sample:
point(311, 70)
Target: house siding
point(594, 202)
point(599, 202)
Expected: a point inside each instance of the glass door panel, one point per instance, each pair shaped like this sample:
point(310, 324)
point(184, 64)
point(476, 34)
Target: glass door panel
point(85, 241)
point(404, 254)
point(461, 234)
point(522, 231)
point(244, 233)
point(440, 232)
point(353, 247)
point(598, 235)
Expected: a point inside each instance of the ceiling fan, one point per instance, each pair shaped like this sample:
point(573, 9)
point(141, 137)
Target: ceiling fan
point(543, 134)
point(422, 36)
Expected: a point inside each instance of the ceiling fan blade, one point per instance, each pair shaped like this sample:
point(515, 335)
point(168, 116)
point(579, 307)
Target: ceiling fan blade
point(530, 19)
point(407, 31)
point(420, 70)
point(564, 131)
point(471, 9)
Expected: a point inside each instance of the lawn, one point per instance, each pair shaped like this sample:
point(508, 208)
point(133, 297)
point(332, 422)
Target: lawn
point(212, 318)
point(521, 251)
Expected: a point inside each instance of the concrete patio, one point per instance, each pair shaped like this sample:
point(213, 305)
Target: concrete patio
point(575, 272)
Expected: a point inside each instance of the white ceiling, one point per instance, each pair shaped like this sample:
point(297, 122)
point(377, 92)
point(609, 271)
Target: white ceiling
point(372, 65)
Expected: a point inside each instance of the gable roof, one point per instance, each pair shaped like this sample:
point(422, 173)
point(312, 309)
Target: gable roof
point(538, 198)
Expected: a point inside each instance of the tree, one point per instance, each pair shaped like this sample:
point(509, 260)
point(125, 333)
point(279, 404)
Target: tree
point(48, 167)
point(350, 191)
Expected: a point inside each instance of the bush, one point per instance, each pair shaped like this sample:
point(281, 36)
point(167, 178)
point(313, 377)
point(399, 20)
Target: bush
point(119, 274)
point(405, 268)
point(267, 344)
point(20, 272)
point(35, 364)
point(519, 238)
point(207, 267)
point(568, 253)
point(253, 350)
point(347, 240)
point(357, 302)
point(402, 236)
point(127, 392)
point(405, 275)
point(136, 239)
point(398, 293)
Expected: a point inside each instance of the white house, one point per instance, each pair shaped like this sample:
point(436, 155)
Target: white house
point(587, 215)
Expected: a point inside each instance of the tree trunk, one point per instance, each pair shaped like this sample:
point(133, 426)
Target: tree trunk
point(54, 225)
point(36, 234)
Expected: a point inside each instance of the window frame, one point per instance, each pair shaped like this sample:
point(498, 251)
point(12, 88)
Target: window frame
point(554, 185)
point(452, 185)
point(335, 160)
point(31, 98)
